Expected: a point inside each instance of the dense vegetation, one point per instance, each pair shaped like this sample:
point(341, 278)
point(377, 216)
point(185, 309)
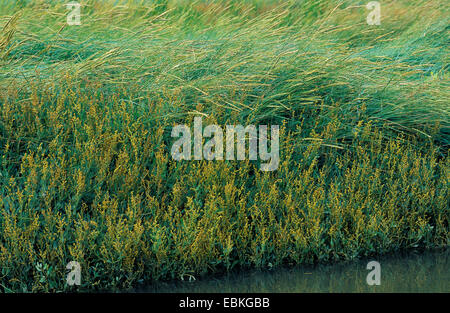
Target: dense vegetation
point(86, 113)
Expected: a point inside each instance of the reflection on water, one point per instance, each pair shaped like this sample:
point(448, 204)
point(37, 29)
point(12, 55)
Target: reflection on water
point(412, 272)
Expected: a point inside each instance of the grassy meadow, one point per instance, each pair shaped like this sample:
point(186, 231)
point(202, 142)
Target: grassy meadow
point(86, 114)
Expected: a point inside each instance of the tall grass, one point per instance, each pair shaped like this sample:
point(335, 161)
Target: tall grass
point(86, 113)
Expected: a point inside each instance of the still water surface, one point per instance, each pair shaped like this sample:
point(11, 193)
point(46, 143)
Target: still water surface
point(411, 272)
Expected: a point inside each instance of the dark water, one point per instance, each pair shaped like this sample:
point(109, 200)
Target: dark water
point(412, 272)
